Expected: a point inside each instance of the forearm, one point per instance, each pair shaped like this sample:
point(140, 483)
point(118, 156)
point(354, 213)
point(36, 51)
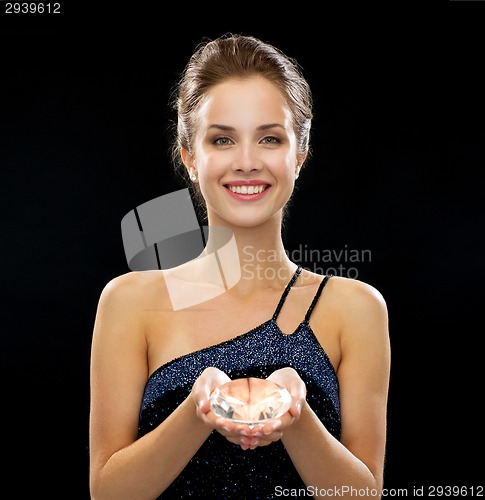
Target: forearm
point(322, 461)
point(145, 468)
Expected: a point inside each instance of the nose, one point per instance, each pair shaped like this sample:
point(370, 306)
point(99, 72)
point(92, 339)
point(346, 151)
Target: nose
point(246, 160)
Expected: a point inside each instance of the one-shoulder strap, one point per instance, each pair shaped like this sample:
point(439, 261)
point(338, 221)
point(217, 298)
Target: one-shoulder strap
point(317, 296)
point(285, 293)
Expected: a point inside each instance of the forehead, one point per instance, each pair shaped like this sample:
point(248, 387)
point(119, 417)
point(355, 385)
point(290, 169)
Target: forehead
point(254, 97)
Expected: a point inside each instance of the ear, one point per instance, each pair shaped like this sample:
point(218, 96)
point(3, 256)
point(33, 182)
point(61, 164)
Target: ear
point(302, 157)
point(187, 159)
point(189, 162)
point(301, 160)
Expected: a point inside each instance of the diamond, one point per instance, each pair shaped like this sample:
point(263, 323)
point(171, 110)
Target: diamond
point(250, 401)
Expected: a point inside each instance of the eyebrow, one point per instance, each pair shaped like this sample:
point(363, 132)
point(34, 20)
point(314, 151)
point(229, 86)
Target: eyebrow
point(227, 128)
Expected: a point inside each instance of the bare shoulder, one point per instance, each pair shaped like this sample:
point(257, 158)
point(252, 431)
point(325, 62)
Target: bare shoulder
point(133, 289)
point(125, 304)
point(347, 294)
point(355, 306)
point(357, 295)
point(360, 307)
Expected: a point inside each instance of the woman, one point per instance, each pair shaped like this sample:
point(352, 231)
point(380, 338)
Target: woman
point(244, 116)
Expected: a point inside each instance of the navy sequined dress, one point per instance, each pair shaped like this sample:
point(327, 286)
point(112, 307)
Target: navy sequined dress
point(223, 470)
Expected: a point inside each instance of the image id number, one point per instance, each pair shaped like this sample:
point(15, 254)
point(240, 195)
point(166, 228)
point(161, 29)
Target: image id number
point(32, 8)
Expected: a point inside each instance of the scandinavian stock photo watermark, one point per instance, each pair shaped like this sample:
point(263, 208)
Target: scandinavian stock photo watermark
point(165, 234)
point(345, 262)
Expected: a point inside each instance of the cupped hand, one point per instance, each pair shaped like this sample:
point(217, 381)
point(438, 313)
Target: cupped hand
point(289, 379)
point(272, 430)
point(241, 434)
point(207, 381)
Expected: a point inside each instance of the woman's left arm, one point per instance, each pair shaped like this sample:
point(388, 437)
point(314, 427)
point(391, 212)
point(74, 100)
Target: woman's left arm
point(357, 460)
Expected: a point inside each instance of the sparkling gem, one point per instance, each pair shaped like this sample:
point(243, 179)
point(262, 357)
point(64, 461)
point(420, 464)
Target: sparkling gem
point(250, 401)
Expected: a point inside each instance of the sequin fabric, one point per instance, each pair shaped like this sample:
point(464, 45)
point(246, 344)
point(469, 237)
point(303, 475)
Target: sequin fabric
point(220, 469)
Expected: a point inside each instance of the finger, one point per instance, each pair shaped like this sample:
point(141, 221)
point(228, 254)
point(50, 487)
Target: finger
point(266, 440)
point(251, 442)
point(203, 405)
point(225, 424)
point(272, 426)
point(295, 409)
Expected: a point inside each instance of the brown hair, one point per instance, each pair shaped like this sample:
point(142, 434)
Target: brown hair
point(237, 56)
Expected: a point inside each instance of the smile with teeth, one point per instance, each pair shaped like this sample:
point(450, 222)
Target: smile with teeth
point(247, 189)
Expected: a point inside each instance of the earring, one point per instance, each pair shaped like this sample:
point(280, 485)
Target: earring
point(192, 176)
point(297, 173)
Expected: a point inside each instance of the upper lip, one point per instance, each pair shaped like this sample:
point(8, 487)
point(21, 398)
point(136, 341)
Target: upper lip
point(247, 182)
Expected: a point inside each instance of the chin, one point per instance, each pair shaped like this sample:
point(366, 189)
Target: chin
point(248, 222)
point(244, 218)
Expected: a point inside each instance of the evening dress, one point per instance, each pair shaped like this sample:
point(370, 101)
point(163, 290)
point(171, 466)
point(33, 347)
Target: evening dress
point(221, 469)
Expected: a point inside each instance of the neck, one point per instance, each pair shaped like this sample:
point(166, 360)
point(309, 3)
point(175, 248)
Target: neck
point(252, 257)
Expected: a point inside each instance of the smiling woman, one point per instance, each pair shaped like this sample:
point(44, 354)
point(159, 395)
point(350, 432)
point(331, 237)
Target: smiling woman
point(246, 143)
point(244, 115)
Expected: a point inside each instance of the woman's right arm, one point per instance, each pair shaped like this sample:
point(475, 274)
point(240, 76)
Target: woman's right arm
point(122, 466)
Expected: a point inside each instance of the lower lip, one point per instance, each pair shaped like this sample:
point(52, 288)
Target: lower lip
point(248, 197)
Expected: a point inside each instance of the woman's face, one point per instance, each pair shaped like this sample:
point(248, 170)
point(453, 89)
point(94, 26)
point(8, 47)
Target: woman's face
point(245, 152)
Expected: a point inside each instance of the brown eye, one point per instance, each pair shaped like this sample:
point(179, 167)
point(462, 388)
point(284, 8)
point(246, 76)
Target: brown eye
point(223, 141)
point(271, 140)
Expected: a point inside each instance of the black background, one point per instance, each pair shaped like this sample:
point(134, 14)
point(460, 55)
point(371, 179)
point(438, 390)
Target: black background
point(397, 169)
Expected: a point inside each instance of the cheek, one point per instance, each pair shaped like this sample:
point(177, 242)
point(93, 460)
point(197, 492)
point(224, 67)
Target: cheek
point(211, 171)
point(283, 165)
point(212, 162)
